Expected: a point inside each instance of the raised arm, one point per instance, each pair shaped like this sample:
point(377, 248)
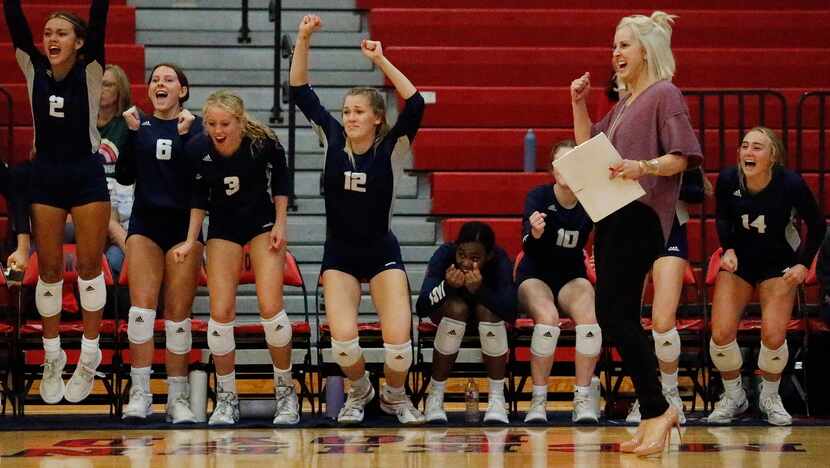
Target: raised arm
point(96, 33)
point(298, 75)
point(580, 88)
point(18, 26)
point(374, 52)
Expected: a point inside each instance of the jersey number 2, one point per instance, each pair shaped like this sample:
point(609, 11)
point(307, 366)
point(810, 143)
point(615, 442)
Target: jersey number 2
point(164, 149)
point(56, 106)
point(758, 224)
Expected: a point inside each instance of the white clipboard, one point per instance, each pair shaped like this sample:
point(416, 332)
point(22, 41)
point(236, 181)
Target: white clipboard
point(585, 170)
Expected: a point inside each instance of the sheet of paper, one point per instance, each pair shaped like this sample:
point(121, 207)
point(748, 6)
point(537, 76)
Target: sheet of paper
point(585, 170)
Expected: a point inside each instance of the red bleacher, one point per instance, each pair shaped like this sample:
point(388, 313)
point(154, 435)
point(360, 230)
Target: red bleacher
point(120, 21)
point(497, 68)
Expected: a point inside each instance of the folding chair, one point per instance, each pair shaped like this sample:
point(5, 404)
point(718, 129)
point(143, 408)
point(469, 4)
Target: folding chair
point(158, 368)
point(749, 336)
point(30, 332)
point(371, 340)
point(251, 336)
point(522, 335)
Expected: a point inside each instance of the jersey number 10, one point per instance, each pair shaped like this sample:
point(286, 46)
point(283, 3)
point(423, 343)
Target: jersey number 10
point(567, 239)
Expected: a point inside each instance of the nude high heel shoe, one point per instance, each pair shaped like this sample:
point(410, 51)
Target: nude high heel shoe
point(629, 445)
point(658, 433)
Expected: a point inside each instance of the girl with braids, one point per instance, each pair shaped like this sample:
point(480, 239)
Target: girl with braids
point(363, 160)
point(66, 178)
point(154, 159)
point(237, 159)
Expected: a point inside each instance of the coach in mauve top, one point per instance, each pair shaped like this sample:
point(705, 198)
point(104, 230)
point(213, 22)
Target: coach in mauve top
point(654, 124)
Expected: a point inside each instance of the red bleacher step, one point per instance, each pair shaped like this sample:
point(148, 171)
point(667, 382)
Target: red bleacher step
point(120, 21)
point(501, 149)
point(129, 56)
point(537, 66)
point(633, 5)
point(585, 27)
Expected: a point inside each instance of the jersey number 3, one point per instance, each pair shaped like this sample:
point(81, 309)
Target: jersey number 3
point(758, 224)
point(355, 181)
point(232, 184)
point(164, 149)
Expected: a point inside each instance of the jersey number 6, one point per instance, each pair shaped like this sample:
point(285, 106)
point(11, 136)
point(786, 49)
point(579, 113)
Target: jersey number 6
point(164, 149)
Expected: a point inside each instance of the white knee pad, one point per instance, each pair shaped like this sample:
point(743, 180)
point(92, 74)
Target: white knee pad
point(588, 340)
point(220, 338)
point(48, 298)
point(93, 293)
point(277, 330)
point(449, 335)
point(666, 345)
point(346, 353)
point(727, 357)
point(179, 336)
point(140, 325)
point(543, 342)
point(398, 357)
point(493, 336)
point(773, 361)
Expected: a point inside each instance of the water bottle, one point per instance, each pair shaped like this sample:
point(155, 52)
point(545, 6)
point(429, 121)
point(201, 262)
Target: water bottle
point(198, 394)
point(335, 398)
point(471, 413)
point(530, 151)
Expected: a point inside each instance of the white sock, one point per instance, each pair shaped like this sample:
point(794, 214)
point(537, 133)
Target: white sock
point(89, 349)
point(496, 387)
point(282, 377)
point(583, 390)
point(363, 382)
point(227, 383)
point(733, 387)
point(141, 378)
point(437, 386)
point(394, 393)
point(52, 346)
point(176, 385)
point(769, 388)
point(669, 381)
point(540, 390)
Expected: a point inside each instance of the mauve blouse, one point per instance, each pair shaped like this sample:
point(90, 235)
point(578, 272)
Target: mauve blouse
point(656, 123)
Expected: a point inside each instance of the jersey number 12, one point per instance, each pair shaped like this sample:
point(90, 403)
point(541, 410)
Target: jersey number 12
point(355, 181)
point(758, 224)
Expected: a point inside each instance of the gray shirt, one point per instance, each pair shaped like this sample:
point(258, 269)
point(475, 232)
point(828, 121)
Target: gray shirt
point(656, 123)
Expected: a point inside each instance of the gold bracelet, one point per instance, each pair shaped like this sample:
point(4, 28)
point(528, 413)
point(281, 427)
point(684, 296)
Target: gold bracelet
point(650, 167)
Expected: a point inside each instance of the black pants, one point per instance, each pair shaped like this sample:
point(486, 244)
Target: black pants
point(626, 245)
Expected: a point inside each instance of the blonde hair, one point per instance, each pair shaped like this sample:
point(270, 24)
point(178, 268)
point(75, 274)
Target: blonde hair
point(654, 35)
point(231, 103)
point(122, 83)
point(378, 105)
point(777, 151)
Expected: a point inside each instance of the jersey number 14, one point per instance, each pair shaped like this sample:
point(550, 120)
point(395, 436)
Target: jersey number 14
point(758, 224)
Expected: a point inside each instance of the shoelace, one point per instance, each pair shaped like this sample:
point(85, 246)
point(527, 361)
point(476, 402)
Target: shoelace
point(283, 403)
point(775, 406)
point(50, 368)
point(183, 399)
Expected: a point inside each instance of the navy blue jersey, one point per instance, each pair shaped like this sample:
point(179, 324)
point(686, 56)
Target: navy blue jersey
point(691, 188)
point(496, 292)
point(761, 225)
point(13, 186)
point(155, 159)
point(65, 112)
point(359, 196)
point(566, 230)
point(239, 186)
